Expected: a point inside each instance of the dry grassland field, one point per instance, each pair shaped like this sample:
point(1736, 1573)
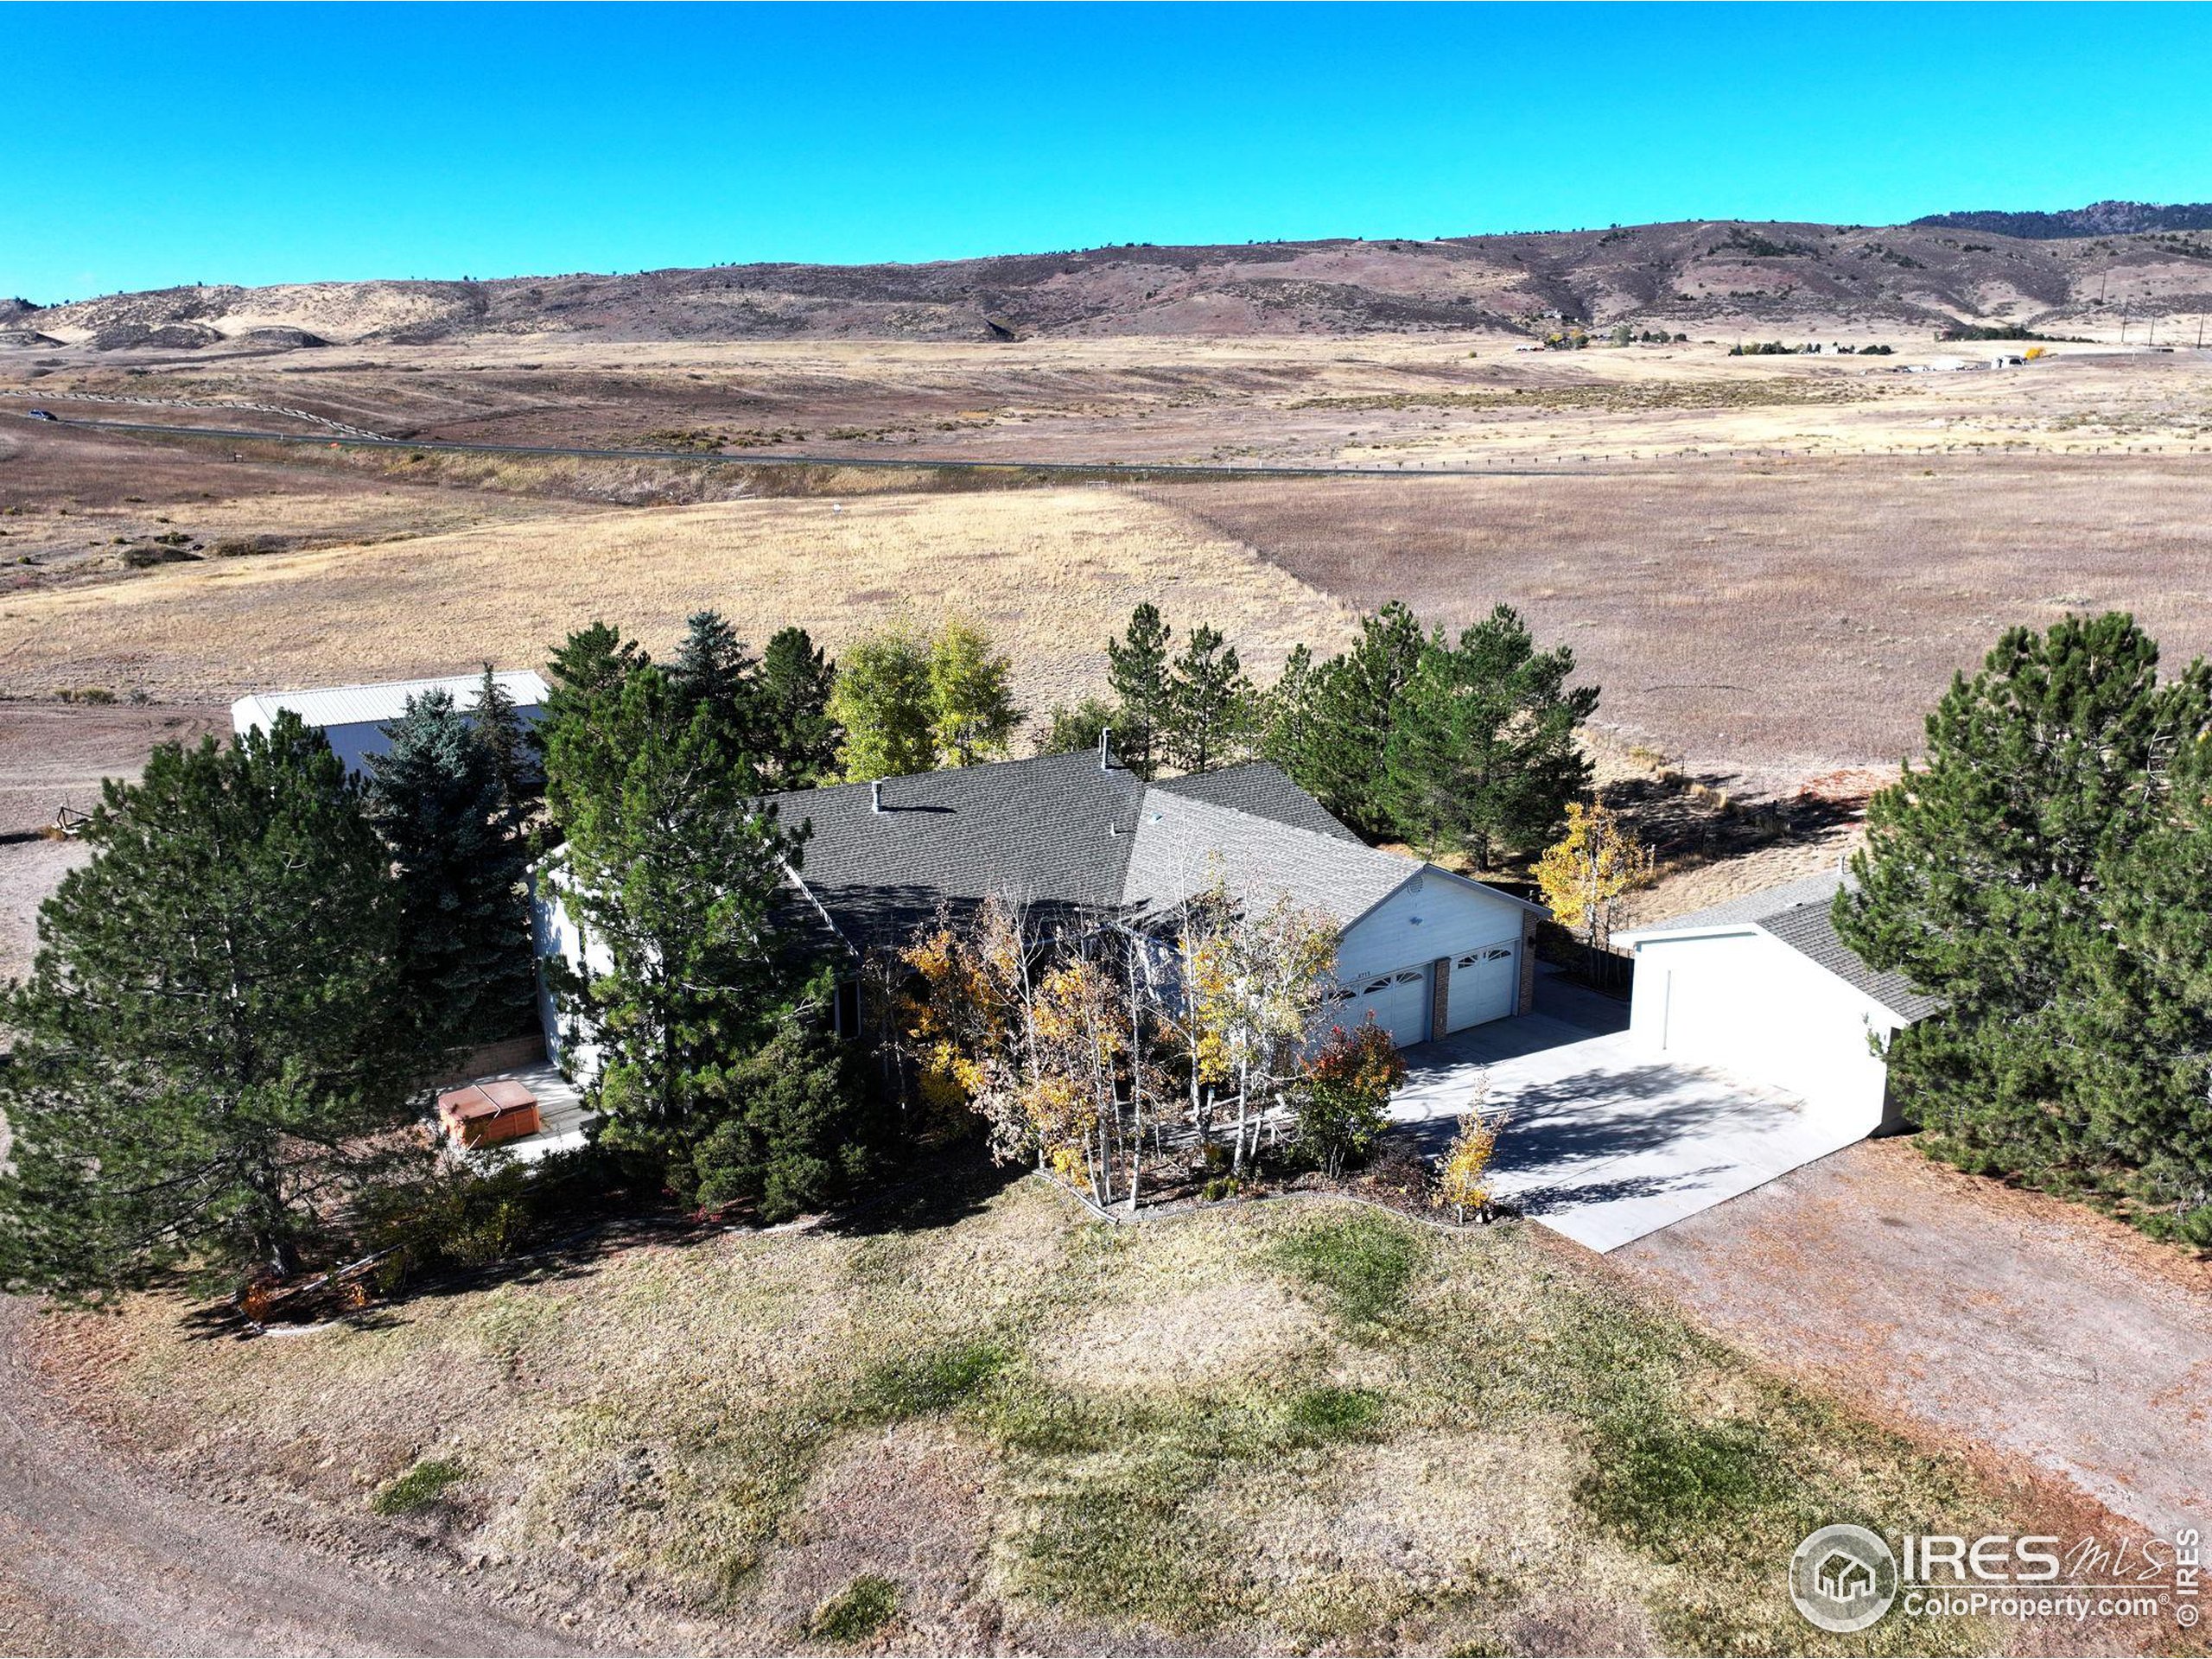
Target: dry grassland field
point(985, 1422)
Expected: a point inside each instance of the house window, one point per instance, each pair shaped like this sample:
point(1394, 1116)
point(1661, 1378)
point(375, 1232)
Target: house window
point(845, 1015)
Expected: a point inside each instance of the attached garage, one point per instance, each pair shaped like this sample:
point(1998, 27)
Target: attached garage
point(1398, 1002)
point(1440, 954)
point(1763, 988)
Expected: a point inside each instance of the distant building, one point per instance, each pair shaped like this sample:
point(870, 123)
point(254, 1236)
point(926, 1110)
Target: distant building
point(352, 717)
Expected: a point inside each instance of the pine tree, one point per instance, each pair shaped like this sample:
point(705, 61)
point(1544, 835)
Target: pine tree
point(1284, 712)
point(587, 674)
point(1353, 706)
point(973, 715)
point(1982, 879)
point(713, 670)
point(211, 1049)
point(1482, 756)
point(883, 700)
point(498, 724)
point(1209, 705)
point(799, 739)
point(2143, 1032)
point(437, 797)
point(674, 870)
point(1138, 670)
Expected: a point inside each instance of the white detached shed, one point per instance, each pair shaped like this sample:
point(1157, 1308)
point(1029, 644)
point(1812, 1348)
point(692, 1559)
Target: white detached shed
point(352, 717)
point(1762, 987)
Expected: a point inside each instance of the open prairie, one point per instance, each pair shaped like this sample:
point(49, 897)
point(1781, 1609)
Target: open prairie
point(1771, 564)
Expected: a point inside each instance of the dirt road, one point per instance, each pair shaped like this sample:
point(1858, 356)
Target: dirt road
point(95, 1558)
point(1996, 1318)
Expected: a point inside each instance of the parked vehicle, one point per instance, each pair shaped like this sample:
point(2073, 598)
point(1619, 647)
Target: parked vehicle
point(44, 415)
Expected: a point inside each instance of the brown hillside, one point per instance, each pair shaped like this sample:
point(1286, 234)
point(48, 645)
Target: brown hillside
point(1809, 279)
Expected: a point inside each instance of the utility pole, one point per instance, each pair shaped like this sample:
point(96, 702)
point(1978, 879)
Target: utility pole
point(2123, 322)
point(2200, 331)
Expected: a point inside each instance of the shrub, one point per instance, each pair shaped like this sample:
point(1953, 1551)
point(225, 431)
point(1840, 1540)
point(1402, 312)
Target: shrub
point(1344, 1102)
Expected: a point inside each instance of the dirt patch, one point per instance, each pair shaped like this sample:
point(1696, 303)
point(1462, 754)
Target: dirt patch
point(913, 1505)
point(1206, 1336)
point(1800, 616)
point(30, 871)
point(55, 754)
point(1975, 1312)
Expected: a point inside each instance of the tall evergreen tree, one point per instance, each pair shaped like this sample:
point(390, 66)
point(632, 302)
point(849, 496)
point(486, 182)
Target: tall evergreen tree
point(1139, 670)
point(1353, 705)
point(212, 1045)
point(587, 676)
point(2142, 1034)
point(971, 690)
point(436, 797)
point(674, 870)
point(506, 740)
point(799, 739)
point(1482, 757)
point(1209, 705)
point(1982, 879)
point(883, 700)
point(1284, 712)
point(712, 670)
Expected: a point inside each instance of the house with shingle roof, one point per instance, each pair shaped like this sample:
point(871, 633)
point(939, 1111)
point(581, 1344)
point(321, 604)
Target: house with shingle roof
point(1763, 987)
point(1081, 840)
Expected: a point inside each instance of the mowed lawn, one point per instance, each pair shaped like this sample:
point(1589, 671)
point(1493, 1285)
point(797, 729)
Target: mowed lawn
point(1051, 573)
point(992, 1421)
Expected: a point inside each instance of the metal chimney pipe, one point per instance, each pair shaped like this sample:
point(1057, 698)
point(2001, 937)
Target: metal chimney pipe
point(875, 796)
point(1106, 749)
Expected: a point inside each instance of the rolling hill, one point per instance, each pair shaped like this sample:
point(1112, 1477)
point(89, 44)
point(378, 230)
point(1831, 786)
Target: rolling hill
point(2042, 270)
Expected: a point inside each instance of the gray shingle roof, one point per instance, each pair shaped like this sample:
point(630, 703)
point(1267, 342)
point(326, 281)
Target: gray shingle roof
point(1180, 843)
point(1265, 792)
point(1798, 914)
point(1064, 836)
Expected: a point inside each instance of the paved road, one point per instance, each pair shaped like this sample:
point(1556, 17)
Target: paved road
point(97, 1558)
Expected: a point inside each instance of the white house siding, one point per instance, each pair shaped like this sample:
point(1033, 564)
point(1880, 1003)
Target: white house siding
point(1746, 1004)
point(1433, 916)
point(553, 933)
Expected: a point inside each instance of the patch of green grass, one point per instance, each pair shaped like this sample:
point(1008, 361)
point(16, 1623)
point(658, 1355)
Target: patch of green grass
point(937, 1381)
point(1329, 1414)
point(419, 1488)
point(1663, 1480)
point(856, 1612)
point(1360, 1265)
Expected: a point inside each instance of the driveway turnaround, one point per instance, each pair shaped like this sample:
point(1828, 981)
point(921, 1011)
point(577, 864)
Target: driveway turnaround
point(1603, 1141)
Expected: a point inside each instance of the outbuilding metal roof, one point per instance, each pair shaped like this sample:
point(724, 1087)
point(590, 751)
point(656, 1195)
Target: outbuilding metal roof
point(1798, 913)
point(379, 704)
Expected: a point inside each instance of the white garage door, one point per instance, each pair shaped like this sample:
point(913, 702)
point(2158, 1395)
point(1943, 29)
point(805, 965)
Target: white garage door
point(1485, 985)
point(1399, 1001)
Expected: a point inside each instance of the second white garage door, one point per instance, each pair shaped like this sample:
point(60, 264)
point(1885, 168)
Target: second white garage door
point(1398, 1000)
point(1485, 985)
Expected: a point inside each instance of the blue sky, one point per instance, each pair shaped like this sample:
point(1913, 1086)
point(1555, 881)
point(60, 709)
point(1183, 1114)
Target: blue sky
point(260, 143)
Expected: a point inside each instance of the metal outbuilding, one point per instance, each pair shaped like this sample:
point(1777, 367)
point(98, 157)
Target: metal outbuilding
point(352, 717)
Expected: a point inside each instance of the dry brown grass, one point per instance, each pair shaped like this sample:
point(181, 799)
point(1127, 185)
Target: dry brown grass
point(1472, 1440)
point(1771, 618)
point(1051, 575)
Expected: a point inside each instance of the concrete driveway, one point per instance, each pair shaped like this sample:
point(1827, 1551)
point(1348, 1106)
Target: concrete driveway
point(1602, 1142)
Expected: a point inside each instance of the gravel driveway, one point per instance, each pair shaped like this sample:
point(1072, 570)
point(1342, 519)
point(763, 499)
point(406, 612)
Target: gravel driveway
point(2000, 1318)
point(97, 1558)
